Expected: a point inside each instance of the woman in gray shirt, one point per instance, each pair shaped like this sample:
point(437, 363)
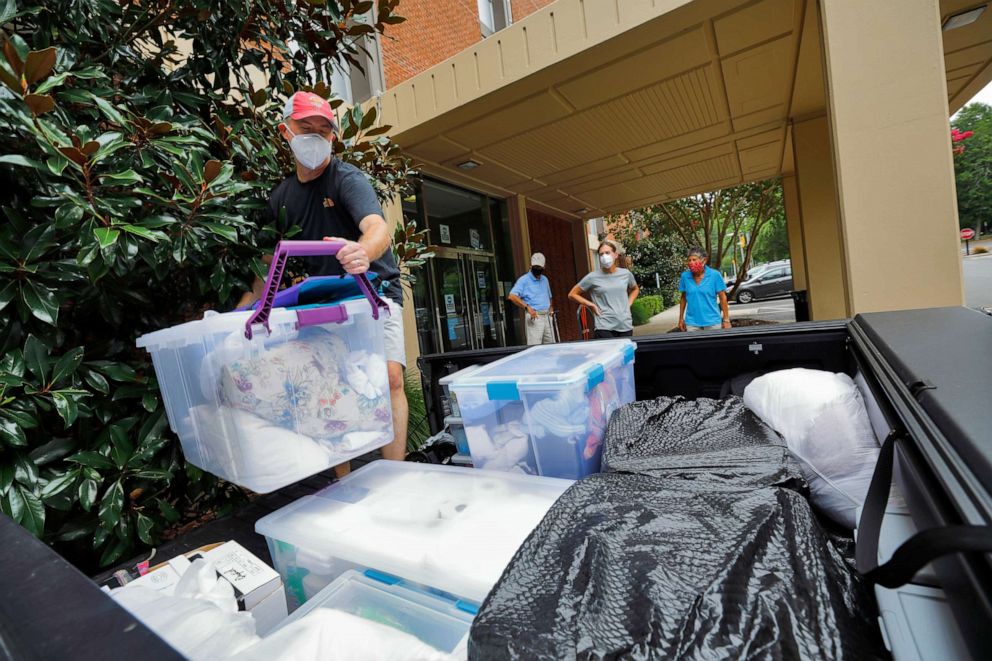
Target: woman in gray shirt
point(612, 290)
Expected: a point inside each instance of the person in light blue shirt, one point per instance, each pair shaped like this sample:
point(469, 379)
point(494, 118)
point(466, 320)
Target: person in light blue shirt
point(704, 295)
point(532, 293)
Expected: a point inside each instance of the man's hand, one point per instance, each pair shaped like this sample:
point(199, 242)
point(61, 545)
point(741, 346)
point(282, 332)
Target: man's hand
point(681, 324)
point(532, 312)
point(353, 257)
point(725, 323)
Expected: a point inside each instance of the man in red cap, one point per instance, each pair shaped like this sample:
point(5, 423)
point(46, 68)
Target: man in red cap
point(327, 198)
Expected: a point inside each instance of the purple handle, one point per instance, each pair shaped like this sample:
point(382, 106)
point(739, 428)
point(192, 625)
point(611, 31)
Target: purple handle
point(286, 249)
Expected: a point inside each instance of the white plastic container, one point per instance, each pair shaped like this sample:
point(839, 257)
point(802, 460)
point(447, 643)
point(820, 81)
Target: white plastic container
point(438, 620)
point(454, 529)
point(268, 411)
point(544, 410)
point(456, 427)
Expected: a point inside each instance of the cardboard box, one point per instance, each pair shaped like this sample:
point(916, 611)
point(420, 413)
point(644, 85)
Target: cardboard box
point(257, 586)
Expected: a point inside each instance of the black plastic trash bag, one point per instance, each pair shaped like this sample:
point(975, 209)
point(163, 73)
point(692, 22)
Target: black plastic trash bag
point(684, 555)
point(701, 439)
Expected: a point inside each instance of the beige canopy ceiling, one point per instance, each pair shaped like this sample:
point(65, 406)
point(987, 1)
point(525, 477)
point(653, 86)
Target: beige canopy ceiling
point(597, 106)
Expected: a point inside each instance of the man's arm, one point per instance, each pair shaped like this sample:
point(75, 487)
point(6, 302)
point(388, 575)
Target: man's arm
point(519, 302)
point(257, 288)
point(355, 256)
point(682, 312)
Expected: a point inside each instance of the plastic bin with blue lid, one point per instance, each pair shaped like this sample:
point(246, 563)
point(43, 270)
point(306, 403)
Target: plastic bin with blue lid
point(544, 410)
point(438, 619)
point(449, 528)
point(268, 397)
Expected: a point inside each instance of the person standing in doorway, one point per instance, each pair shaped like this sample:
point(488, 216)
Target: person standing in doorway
point(704, 295)
point(612, 290)
point(532, 294)
point(329, 199)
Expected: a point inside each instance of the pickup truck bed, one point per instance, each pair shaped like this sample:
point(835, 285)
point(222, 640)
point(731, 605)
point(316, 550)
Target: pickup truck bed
point(930, 371)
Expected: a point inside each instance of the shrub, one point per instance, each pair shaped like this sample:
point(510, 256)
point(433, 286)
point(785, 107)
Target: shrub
point(133, 196)
point(640, 312)
point(654, 303)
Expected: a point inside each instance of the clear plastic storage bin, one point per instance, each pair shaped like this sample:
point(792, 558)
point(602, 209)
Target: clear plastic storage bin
point(437, 619)
point(454, 529)
point(266, 409)
point(456, 427)
point(544, 410)
point(449, 403)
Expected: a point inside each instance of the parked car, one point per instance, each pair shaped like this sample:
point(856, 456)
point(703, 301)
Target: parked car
point(771, 283)
point(758, 270)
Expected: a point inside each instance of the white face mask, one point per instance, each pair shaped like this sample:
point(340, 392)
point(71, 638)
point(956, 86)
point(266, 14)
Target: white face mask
point(310, 149)
point(606, 259)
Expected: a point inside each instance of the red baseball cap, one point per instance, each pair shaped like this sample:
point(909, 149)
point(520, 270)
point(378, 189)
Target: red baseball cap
point(307, 104)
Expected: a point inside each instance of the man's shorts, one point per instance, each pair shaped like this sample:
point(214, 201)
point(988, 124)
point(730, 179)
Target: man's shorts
point(395, 346)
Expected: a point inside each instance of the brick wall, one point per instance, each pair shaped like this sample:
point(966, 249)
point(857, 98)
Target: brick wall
point(434, 30)
point(521, 8)
point(553, 237)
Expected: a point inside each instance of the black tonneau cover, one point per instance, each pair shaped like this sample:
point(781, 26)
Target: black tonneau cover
point(944, 357)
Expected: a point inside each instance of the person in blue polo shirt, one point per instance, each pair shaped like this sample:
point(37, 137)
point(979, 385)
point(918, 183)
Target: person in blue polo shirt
point(702, 288)
point(532, 293)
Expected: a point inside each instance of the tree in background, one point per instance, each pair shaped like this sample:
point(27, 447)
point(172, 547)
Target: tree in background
point(715, 220)
point(137, 152)
point(973, 166)
point(773, 240)
point(652, 250)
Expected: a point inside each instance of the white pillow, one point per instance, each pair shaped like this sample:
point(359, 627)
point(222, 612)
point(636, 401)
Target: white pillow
point(823, 420)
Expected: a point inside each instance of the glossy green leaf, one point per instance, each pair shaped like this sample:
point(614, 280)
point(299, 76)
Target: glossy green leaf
point(107, 236)
point(91, 459)
point(168, 511)
point(66, 407)
point(41, 301)
point(145, 527)
point(33, 517)
point(109, 111)
point(52, 450)
point(25, 471)
point(61, 483)
point(97, 381)
point(36, 358)
point(6, 476)
point(122, 178)
point(67, 364)
point(87, 493)
point(7, 293)
point(111, 505)
point(144, 232)
point(12, 434)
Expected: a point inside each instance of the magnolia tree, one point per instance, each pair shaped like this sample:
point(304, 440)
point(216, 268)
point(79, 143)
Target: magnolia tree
point(137, 151)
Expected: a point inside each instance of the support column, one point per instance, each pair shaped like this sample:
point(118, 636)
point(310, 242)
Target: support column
point(820, 225)
point(519, 233)
point(580, 248)
point(794, 229)
point(895, 175)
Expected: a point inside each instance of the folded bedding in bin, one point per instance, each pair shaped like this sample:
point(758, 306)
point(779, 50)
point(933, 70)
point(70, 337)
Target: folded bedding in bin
point(310, 384)
point(699, 542)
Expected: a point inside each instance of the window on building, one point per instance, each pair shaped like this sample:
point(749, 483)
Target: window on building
point(357, 84)
point(494, 15)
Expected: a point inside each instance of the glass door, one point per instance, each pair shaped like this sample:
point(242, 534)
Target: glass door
point(454, 318)
point(487, 315)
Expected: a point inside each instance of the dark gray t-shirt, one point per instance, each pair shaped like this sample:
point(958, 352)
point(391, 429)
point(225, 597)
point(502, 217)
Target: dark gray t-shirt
point(333, 204)
point(609, 292)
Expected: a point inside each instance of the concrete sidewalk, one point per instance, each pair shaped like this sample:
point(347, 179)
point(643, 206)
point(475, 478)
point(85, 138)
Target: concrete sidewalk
point(777, 310)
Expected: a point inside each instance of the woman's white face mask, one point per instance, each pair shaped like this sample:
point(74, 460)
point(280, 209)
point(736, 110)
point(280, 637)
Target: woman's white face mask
point(310, 149)
point(606, 260)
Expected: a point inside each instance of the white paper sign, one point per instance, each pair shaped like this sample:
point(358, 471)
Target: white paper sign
point(473, 237)
point(449, 303)
point(445, 233)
